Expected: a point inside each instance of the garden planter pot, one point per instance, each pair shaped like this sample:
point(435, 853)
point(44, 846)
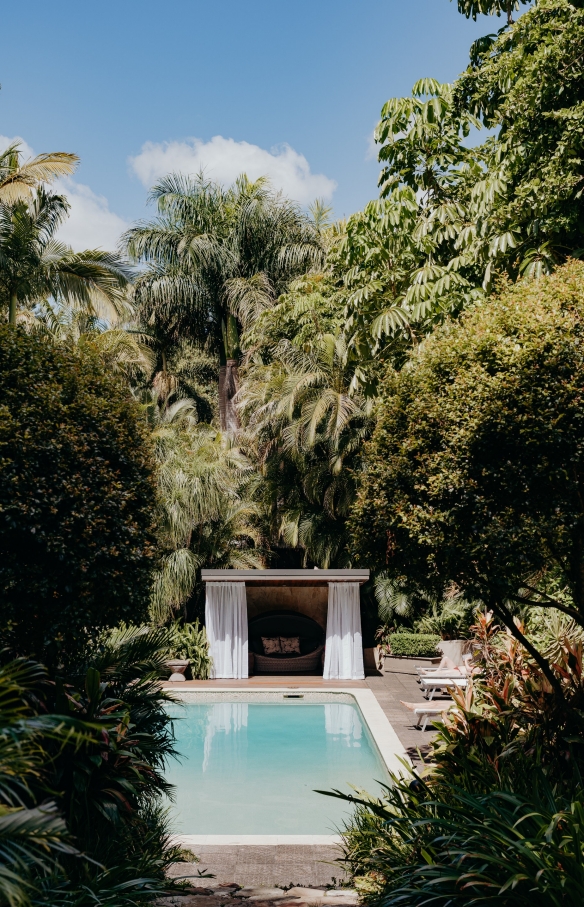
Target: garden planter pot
point(177, 667)
point(373, 660)
point(405, 664)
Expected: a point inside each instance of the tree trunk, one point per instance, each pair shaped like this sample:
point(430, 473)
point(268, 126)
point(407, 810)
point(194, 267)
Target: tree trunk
point(228, 387)
point(12, 310)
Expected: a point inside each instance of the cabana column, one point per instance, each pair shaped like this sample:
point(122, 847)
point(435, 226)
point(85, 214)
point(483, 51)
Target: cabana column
point(344, 647)
point(226, 624)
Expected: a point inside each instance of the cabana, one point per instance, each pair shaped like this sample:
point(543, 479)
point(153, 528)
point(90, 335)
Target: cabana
point(306, 604)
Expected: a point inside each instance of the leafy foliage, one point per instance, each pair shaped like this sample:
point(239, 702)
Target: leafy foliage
point(190, 641)
point(207, 514)
point(452, 219)
point(495, 816)
point(401, 257)
point(526, 83)
point(31, 836)
point(76, 502)
point(304, 419)
point(509, 732)
point(465, 478)
point(81, 778)
point(498, 848)
point(34, 266)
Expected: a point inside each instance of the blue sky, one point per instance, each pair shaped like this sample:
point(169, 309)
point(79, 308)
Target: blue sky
point(294, 88)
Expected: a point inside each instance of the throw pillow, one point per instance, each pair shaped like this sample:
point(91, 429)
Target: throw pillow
point(290, 645)
point(271, 645)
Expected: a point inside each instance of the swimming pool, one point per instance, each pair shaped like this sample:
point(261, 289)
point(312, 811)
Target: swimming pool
point(252, 767)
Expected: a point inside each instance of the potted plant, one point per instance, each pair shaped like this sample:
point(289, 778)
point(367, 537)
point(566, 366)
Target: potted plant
point(188, 646)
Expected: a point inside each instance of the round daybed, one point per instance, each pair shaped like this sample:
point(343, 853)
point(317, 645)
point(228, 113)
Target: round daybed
point(286, 625)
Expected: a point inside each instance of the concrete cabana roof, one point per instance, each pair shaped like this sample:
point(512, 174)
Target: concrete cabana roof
point(285, 577)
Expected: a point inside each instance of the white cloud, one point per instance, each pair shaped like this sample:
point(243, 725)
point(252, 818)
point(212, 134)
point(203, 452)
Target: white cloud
point(25, 148)
point(91, 224)
point(225, 159)
point(372, 147)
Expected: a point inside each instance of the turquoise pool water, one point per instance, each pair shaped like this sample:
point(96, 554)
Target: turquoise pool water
point(251, 768)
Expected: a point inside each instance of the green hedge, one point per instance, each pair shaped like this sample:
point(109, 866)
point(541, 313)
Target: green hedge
point(422, 645)
point(77, 499)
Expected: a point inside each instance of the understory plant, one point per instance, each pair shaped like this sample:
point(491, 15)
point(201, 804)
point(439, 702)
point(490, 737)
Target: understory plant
point(190, 641)
point(495, 816)
point(82, 818)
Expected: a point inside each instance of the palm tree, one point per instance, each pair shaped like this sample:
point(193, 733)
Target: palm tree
point(305, 420)
point(121, 348)
point(207, 515)
point(19, 180)
point(35, 267)
point(215, 259)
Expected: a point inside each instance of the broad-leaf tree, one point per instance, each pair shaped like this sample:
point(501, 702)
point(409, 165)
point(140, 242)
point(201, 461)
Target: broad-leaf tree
point(474, 8)
point(475, 473)
point(77, 498)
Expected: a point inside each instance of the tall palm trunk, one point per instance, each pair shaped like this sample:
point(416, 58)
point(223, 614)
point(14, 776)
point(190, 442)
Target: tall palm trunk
point(12, 309)
point(228, 387)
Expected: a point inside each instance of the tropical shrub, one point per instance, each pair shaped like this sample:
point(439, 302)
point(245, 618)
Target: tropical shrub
point(494, 817)
point(466, 479)
point(415, 847)
point(33, 834)
point(451, 619)
point(190, 641)
point(81, 817)
point(422, 645)
point(76, 499)
point(509, 728)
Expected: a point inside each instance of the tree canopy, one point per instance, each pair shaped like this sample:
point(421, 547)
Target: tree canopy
point(474, 473)
point(76, 498)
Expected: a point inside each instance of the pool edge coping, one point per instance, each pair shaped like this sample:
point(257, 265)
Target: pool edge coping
point(390, 748)
point(254, 840)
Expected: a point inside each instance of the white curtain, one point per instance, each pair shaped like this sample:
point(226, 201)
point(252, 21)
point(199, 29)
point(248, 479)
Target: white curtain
point(223, 718)
point(342, 720)
point(226, 624)
point(343, 658)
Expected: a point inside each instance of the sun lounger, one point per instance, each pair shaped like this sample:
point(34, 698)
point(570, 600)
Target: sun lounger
point(434, 672)
point(425, 711)
point(432, 684)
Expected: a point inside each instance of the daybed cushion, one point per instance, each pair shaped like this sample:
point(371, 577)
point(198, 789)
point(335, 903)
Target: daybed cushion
point(285, 624)
point(282, 664)
point(271, 645)
point(289, 645)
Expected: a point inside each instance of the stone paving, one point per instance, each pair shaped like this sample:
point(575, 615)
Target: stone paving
point(389, 689)
point(267, 864)
point(213, 893)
